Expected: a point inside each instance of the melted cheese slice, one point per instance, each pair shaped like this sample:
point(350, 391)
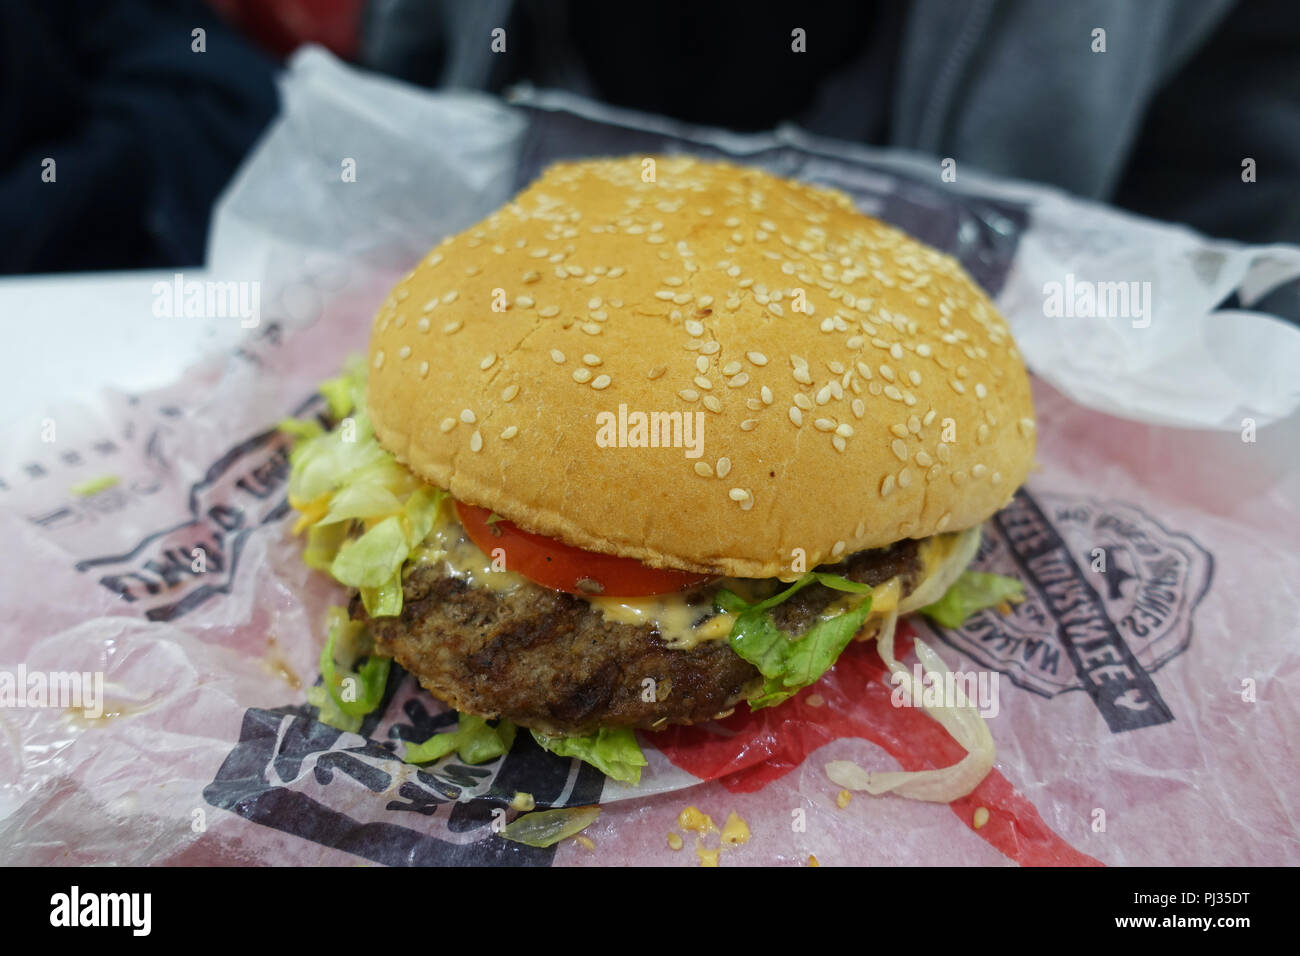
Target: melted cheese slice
point(681, 625)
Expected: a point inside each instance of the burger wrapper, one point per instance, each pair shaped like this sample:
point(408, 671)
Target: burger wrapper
point(1140, 698)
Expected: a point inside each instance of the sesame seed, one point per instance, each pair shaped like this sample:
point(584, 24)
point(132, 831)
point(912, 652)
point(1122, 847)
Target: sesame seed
point(557, 356)
point(905, 477)
point(979, 471)
point(424, 369)
point(509, 392)
point(451, 328)
point(704, 469)
point(796, 416)
point(657, 371)
point(929, 417)
point(766, 395)
point(703, 381)
point(594, 303)
point(737, 494)
point(701, 364)
point(893, 392)
point(896, 350)
point(914, 377)
point(451, 297)
point(933, 473)
point(982, 433)
point(712, 404)
point(887, 486)
point(980, 390)
point(914, 425)
point(749, 424)
point(724, 467)
point(844, 429)
point(476, 441)
point(801, 375)
point(591, 328)
point(509, 432)
point(823, 395)
point(581, 375)
point(942, 451)
point(694, 327)
point(824, 425)
point(900, 430)
point(859, 408)
point(711, 348)
point(423, 324)
point(488, 361)
point(864, 370)
point(738, 381)
point(447, 425)
point(996, 477)
point(549, 311)
point(803, 401)
point(899, 448)
point(379, 358)
point(1025, 425)
point(943, 521)
point(758, 358)
point(923, 459)
point(731, 368)
point(689, 395)
point(591, 359)
point(887, 373)
point(601, 382)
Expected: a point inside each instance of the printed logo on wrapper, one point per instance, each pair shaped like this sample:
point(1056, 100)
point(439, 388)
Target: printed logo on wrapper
point(174, 570)
point(1110, 595)
point(351, 791)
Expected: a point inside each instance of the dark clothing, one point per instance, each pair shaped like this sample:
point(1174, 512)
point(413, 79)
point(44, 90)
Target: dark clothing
point(143, 131)
point(1159, 123)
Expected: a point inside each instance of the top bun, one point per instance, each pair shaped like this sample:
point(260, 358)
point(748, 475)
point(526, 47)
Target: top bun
point(895, 406)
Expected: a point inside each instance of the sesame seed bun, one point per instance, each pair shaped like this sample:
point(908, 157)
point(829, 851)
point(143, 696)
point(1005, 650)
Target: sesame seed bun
point(896, 406)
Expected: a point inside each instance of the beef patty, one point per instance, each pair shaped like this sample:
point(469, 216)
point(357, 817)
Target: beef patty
point(552, 662)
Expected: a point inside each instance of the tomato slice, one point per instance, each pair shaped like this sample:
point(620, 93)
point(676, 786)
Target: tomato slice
point(556, 565)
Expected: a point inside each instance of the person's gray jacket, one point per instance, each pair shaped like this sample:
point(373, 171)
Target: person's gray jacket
point(1161, 122)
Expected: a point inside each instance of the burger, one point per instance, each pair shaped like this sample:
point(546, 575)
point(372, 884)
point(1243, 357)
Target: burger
point(656, 440)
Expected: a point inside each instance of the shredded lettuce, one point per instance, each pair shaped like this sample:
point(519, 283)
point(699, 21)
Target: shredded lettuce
point(364, 513)
point(973, 592)
point(474, 740)
point(346, 693)
point(549, 827)
point(346, 391)
point(788, 663)
point(613, 751)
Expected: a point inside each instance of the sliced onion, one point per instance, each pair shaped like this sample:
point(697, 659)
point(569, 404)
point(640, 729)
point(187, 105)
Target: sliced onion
point(938, 582)
point(963, 722)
